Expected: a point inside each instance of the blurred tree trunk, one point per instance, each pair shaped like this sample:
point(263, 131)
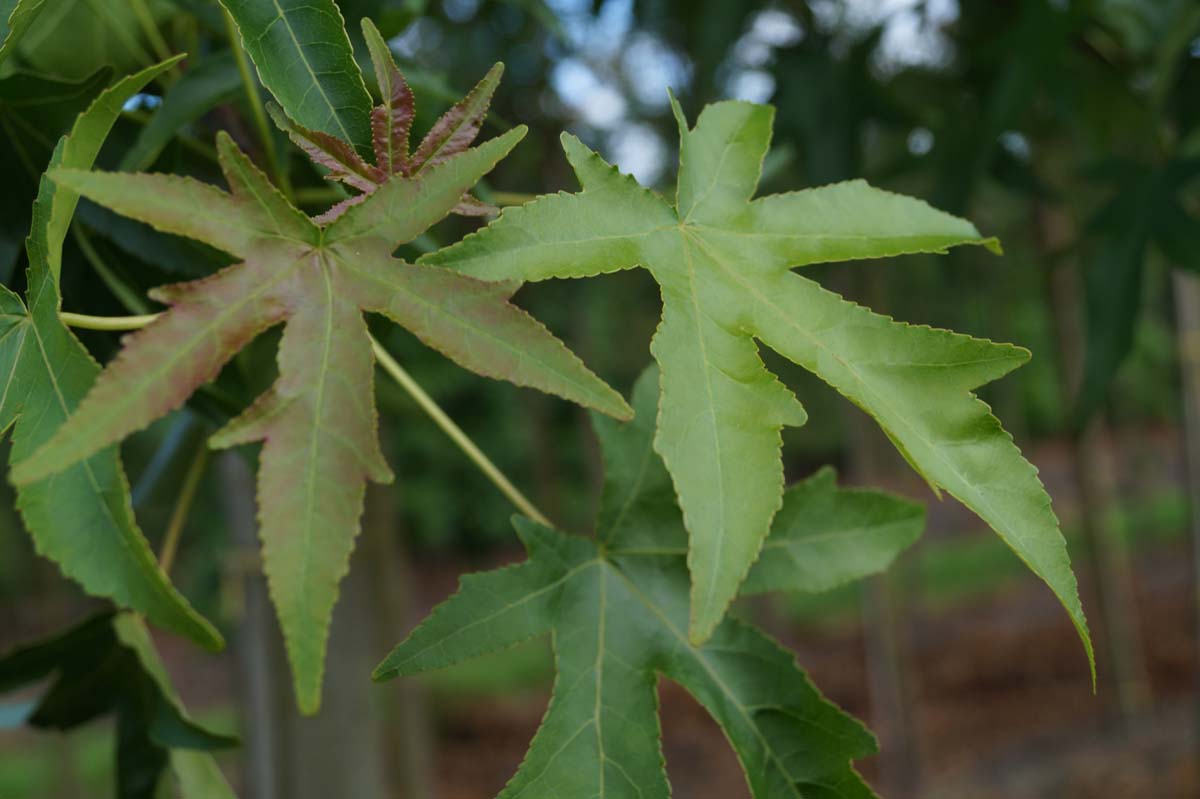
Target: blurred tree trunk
point(403, 705)
point(1187, 313)
point(369, 741)
point(257, 661)
point(886, 639)
point(1115, 621)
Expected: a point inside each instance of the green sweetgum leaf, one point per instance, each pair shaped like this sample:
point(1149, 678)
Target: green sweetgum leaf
point(81, 517)
point(318, 422)
point(304, 58)
point(17, 16)
point(618, 609)
point(723, 261)
point(108, 665)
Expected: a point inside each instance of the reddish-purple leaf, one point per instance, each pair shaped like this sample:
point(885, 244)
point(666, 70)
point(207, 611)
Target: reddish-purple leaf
point(339, 208)
point(458, 127)
point(339, 157)
point(392, 121)
point(391, 124)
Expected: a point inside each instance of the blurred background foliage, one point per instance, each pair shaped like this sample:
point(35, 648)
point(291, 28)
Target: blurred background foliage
point(1070, 129)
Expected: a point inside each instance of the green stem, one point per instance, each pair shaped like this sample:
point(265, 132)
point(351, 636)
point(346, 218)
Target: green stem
point(257, 111)
point(456, 434)
point(146, 20)
point(512, 198)
point(129, 298)
point(87, 322)
point(318, 195)
point(183, 504)
point(397, 373)
point(190, 142)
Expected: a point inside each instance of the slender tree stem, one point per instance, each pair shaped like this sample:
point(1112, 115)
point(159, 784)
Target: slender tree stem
point(87, 322)
point(130, 299)
point(512, 198)
point(198, 147)
point(397, 373)
point(256, 105)
point(153, 35)
point(183, 504)
point(456, 434)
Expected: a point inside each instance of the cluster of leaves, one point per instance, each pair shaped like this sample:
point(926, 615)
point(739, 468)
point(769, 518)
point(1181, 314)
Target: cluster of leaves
point(723, 262)
point(679, 539)
point(107, 665)
point(617, 605)
point(316, 276)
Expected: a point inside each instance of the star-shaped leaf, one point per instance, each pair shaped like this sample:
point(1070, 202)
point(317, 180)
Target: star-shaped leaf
point(317, 423)
point(618, 609)
point(82, 517)
point(723, 262)
point(108, 665)
point(391, 124)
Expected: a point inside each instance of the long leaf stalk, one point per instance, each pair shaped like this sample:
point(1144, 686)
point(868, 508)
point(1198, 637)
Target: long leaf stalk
point(116, 323)
point(456, 434)
point(183, 505)
point(396, 372)
point(257, 111)
point(153, 35)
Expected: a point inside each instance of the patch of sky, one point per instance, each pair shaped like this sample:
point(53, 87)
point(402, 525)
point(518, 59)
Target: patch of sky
point(142, 102)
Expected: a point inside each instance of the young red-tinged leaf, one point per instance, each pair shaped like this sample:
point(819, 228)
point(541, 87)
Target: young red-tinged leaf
point(82, 517)
point(317, 423)
point(304, 58)
point(391, 121)
point(618, 609)
point(459, 126)
point(343, 163)
point(391, 124)
point(724, 261)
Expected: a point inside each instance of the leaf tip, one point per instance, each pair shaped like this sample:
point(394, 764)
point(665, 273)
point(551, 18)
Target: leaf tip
point(278, 116)
point(368, 28)
point(67, 178)
point(992, 245)
point(170, 62)
point(624, 412)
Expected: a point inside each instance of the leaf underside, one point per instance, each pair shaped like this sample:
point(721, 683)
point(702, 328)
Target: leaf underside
point(317, 424)
point(618, 608)
point(724, 261)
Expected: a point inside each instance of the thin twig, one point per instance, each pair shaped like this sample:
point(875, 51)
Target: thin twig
point(87, 322)
point(132, 301)
point(257, 111)
point(397, 372)
point(153, 35)
point(183, 504)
